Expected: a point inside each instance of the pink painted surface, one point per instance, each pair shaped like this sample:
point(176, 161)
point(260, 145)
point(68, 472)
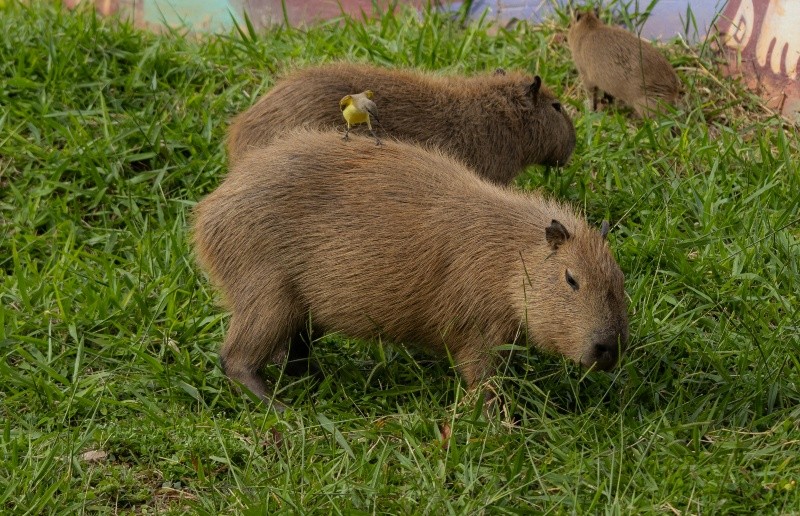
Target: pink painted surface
point(219, 15)
point(104, 7)
point(762, 44)
point(299, 12)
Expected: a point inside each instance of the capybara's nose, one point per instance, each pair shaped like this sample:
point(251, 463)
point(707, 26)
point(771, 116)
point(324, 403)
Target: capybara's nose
point(605, 356)
point(605, 353)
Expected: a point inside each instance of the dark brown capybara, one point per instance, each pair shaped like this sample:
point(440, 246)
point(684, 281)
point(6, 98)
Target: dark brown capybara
point(498, 123)
point(403, 243)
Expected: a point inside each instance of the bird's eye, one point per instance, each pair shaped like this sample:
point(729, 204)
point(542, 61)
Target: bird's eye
point(572, 282)
point(557, 106)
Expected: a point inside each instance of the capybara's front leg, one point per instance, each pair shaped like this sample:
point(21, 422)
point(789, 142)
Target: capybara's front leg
point(594, 91)
point(477, 362)
point(475, 359)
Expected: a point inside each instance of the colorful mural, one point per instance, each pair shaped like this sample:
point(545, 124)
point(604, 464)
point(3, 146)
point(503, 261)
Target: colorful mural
point(104, 7)
point(690, 19)
point(221, 15)
point(762, 44)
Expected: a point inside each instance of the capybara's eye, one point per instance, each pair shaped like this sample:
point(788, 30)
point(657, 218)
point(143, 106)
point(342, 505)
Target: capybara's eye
point(572, 282)
point(557, 106)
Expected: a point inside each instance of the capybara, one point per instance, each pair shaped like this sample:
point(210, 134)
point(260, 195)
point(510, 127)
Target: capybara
point(403, 243)
point(622, 65)
point(498, 123)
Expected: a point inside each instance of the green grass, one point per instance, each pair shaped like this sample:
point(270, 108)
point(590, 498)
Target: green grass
point(108, 332)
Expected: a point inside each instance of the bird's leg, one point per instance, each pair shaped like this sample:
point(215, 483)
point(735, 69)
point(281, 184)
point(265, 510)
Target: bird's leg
point(378, 142)
point(372, 131)
point(346, 132)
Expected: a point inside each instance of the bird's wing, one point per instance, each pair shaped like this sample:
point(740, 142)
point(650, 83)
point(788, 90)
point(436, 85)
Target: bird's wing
point(371, 108)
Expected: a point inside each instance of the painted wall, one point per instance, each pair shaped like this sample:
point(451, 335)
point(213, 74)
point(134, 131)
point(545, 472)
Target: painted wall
point(220, 15)
point(690, 19)
point(762, 44)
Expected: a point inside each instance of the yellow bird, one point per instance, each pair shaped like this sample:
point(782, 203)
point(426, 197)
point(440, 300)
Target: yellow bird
point(357, 109)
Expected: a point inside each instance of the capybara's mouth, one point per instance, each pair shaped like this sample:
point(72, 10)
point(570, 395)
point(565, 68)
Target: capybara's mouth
point(599, 365)
point(556, 163)
point(603, 356)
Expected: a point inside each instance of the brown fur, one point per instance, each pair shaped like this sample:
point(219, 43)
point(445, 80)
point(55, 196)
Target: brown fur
point(622, 65)
point(494, 123)
point(404, 243)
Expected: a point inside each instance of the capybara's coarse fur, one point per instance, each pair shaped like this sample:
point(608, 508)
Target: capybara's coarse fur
point(498, 124)
point(622, 65)
point(402, 243)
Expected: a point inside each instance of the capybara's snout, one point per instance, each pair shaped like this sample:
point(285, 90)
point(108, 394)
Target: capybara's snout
point(561, 148)
point(605, 350)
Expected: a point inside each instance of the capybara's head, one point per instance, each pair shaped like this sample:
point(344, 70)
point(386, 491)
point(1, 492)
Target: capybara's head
point(549, 126)
point(577, 307)
point(585, 18)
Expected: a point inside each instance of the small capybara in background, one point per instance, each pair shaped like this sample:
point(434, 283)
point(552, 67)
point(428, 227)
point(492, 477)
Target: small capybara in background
point(622, 65)
point(497, 124)
point(402, 243)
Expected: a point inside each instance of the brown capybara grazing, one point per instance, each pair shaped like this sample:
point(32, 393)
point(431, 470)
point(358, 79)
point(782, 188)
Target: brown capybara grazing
point(622, 65)
point(402, 243)
point(498, 123)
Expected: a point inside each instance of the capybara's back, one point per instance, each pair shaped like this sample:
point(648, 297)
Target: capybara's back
point(622, 65)
point(497, 124)
point(404, 243)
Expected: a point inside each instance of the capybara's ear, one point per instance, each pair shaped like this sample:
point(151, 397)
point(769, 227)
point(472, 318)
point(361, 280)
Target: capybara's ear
point(578, 16)
point(533, 89)
point(499, 71)
point(556, 234)
point(604, 229)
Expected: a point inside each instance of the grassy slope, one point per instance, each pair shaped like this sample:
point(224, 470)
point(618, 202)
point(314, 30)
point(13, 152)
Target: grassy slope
point(108, 333)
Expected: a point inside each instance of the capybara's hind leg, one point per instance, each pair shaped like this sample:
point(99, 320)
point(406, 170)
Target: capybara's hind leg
point(257, 335)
